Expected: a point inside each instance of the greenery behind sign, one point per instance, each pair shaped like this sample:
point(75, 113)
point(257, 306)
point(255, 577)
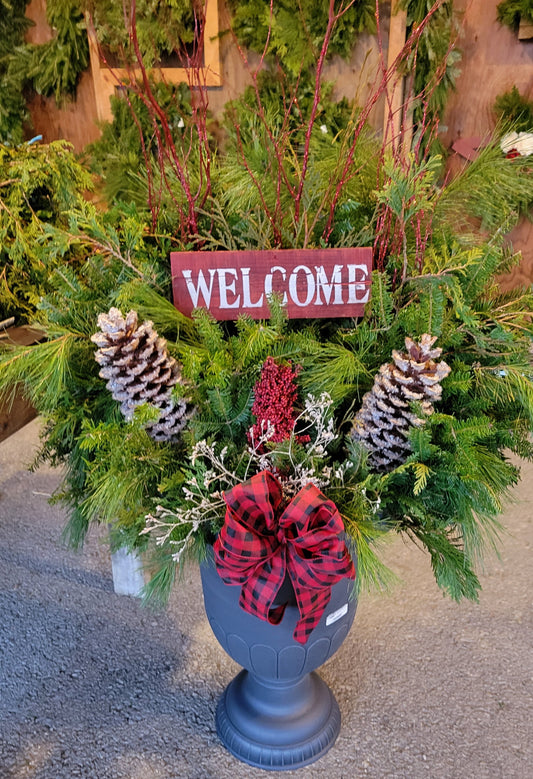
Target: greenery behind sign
point(54, 68)
point(512, 12)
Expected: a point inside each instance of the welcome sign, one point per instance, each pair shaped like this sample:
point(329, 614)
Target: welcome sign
point(313, 283)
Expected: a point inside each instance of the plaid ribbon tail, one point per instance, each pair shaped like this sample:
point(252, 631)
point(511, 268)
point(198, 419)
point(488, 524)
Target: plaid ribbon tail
point(259, 591)
point(312, 604)
point(317, 555)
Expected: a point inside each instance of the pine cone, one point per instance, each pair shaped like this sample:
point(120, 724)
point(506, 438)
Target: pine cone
point(139, 369)
point(385, 417)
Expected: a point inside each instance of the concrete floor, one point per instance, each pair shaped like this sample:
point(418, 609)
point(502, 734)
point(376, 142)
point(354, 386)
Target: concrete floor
point(94, 685)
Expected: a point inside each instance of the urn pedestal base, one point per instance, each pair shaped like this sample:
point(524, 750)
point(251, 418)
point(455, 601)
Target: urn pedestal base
point(278, 726)
point(277, 714)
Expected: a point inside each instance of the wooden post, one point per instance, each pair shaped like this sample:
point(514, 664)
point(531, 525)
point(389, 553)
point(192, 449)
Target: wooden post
point(395, 120)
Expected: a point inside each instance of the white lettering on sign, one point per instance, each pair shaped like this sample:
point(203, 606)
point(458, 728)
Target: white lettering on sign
point(310, 282)
point(302, 286)
point(326, 286)
point(269, 290)
point(228, 286)
point(356, 284)
point(202, 287)
point(293, 285)
point(247, 300)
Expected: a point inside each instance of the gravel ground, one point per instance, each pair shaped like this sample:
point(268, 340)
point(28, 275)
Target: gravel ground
point(94, 685)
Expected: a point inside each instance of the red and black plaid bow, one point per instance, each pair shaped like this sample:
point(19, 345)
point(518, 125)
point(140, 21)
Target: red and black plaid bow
point(257, 546)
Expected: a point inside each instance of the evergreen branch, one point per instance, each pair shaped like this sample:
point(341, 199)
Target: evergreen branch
point(450, 565)
point(149, 304)
point(337, 370)
point(164, 571)
point(491, 187)
point(505, 386)
point(255, 341)
point(372, 573)
point(41, 370)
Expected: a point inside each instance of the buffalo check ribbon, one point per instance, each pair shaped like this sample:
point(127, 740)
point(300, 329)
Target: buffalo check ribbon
point(262, 540)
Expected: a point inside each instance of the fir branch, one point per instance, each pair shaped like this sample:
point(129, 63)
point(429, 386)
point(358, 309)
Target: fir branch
point(451, 568)
point(506, 385)
point(164, 573)
point(492, 188)
point(254, 342)
point(336, 369)
point(367, 539)
point(150, 304)
point(229, 413)
point(381, 308)
point(41, 370)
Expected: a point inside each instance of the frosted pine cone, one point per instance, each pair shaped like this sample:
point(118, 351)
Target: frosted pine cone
point(385, 417)
point(138, 368)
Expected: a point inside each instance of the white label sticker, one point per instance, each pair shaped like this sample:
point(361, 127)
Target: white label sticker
point(335, 615)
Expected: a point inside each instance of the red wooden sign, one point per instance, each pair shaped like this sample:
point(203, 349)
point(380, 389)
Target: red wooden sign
point(313, 283)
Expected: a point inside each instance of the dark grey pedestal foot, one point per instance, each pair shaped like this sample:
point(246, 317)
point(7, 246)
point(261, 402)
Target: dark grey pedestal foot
point(278, 725)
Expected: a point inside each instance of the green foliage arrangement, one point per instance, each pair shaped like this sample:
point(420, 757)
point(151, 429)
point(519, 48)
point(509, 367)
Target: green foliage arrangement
point(293, 167)
point(510, 12)
point(119, 156)
point(281, 181)
point(13, 112)
point(38, 186)
point(129, 160)
point(161, 28)
point(514, 110)
point(269, 140)
point(296, 34)
point(113, 250)
point(55, 67)
point(446, 495)
point(50, 69)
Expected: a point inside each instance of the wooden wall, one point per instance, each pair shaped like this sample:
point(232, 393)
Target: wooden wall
point(77, 121)
point(74, 121)
point(493, 61)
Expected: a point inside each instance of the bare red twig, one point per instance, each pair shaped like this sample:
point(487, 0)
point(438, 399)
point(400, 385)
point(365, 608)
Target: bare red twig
point(278, 143)
point(333, 18)
point(386, 78)
point(188, 158)
point(391, 233)
point(168, 153)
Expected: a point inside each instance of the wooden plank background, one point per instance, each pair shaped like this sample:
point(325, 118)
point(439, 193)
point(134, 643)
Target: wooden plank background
point(494, 60)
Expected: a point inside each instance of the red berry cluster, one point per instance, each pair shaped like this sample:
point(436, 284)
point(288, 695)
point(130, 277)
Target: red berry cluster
point(275, 396)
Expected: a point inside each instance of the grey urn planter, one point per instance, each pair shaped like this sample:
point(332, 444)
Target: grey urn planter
point(277, 713)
